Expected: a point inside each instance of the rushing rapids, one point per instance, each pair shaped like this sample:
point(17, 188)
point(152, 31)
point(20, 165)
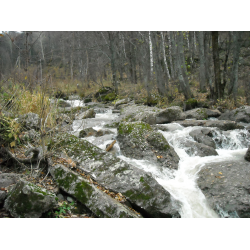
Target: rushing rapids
point(181, 183)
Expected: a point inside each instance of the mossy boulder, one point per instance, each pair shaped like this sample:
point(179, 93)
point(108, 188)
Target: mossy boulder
point(110, 97)
point(27, 200)
point(190, 104)
point(138, 140)
point(101, 204)
point(115, 174)
point(241, 114)
point(102, 92)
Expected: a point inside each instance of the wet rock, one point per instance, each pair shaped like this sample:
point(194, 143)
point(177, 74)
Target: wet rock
point(30, 121)
point(223, 125)
point(201, 135)
point(27, 200)
point(90, 113)
point(102, 132)
point(226, 187)
point(138, 186)
point(138, 140)
point(168, 128)
point(101, 204)
point(198, 149)
point(87, 132)
point(247, 155)
point(241, 114)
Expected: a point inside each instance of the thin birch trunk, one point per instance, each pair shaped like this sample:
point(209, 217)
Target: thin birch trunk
point(202, 62)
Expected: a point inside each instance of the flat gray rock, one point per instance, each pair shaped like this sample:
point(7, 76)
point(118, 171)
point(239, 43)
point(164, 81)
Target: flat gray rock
point(226, 187)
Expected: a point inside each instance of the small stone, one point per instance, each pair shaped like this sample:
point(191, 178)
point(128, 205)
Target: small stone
point(69, 199)
point(60, 197)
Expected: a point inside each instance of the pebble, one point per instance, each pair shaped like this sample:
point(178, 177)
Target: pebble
point(69, 199)
point(60, 197)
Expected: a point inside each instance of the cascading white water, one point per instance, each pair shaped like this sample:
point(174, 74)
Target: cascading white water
point(181, 183)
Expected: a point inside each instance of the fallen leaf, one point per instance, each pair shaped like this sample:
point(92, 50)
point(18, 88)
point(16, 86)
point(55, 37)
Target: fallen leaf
point(220, 173)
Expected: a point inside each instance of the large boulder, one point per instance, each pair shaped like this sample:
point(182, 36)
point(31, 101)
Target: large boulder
point(102, 93)
point(101, 204)
point(138, 140)
point(138, 186)
point(170, 114)
point(27, 200)
point(198, 114)
point(241, 114)
point(203, 135)
point(151, 115)
point(90, 113)
point(247, 155)
point(223, 125)
point(197, 149)
point(30, 121)
point(226, 187)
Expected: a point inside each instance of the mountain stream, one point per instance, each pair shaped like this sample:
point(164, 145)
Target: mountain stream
point(181, 183)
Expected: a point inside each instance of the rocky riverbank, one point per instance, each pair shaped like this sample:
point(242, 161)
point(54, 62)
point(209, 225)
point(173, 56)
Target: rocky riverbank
point(76, 175)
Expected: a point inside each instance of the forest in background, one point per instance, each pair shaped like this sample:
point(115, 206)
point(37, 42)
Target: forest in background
point(169, 65)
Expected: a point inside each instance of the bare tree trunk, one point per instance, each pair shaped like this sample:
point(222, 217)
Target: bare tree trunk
point(182, 67)
point(151, 56)
point(174, 53)
point(202, 62)
point(164, 55)
point(208, 62)
point(170, 55)
point(158, 68)
point(219, 89)
point(113, 59)
point(236, 52)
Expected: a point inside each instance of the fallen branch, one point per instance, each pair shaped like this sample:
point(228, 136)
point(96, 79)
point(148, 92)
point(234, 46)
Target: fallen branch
point(110, 146)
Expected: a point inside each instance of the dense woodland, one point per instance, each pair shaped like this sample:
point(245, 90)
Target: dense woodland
point(216, 62)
